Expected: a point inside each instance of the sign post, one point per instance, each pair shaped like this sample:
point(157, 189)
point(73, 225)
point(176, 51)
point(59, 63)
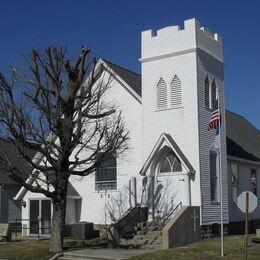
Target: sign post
point(247, 203)
point(246, 226)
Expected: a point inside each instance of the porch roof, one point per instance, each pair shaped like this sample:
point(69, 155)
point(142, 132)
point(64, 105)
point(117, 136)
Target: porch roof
point(172, 144)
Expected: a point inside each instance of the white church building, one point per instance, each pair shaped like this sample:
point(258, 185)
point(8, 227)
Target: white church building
point(171, 158)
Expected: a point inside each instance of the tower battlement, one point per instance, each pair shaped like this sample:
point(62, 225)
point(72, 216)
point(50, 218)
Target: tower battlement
point(172, 40)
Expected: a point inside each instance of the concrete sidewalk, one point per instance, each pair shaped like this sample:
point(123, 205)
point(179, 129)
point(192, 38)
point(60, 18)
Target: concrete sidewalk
point(104, 253)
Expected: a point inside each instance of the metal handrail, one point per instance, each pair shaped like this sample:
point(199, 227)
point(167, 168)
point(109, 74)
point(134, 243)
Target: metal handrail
point(19, 220)
point(171, 213)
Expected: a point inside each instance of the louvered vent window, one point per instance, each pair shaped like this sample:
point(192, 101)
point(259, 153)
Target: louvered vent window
point(161, 94)
point(175, 92)
point(206, 85)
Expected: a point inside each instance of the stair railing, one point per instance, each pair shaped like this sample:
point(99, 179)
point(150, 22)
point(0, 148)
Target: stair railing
point(173, 212)
point(125, 224)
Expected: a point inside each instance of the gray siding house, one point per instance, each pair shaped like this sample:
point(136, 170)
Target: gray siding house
point(10, 209)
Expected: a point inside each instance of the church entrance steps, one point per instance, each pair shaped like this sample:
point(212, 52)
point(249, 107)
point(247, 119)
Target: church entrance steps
point(145, 235)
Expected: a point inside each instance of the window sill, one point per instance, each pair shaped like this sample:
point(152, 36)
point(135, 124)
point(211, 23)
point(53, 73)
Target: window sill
point(209, 109)
point(105, 191)
point(215, 203)
point(169, 108)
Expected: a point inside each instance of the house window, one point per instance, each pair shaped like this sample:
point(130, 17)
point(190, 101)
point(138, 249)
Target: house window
point(213, 176)
point(253, 181)
point(175, 92)
point(170, 163)
point(106, 175)
point(161, 95)
point(234, 181)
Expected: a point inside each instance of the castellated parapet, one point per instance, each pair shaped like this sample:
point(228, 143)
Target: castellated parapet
point(173, 40)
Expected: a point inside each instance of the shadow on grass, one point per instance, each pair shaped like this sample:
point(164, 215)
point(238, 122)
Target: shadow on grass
point(70, 244)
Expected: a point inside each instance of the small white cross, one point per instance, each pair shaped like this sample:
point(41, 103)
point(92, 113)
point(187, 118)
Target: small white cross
point(194, 216)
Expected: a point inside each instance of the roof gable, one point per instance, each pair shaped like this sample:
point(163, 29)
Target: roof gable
point(14, 155)
point(133, 79)
point(172, 144)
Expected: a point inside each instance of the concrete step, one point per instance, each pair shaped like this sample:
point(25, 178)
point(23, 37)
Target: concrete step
point(155, 247)
point(153, 228)
point(154, 232)
point(71, 256)
point(146, 236)
point(137, 242)
point(141, 224)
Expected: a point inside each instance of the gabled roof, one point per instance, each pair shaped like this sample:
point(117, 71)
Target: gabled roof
point(237, 151)
point(171, 143)
point(243, 138)
point(71, 191)
point(133, 79)
point(14, 155)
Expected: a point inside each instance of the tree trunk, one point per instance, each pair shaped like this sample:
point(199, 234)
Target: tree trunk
point(58, 224)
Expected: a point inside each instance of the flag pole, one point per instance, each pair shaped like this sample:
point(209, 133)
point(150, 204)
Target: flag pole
point(220, 180)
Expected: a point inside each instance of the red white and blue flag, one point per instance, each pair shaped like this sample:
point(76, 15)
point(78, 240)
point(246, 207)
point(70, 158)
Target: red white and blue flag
point(214, 120)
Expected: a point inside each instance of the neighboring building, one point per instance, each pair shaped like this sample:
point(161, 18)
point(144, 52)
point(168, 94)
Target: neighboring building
point(172, 156)
point(10, 209)
point(243, 150)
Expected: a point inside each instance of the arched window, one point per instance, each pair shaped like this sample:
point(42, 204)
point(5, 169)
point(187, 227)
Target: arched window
point(214, 103)
point(206, 88)
point(211, 95)
point(161, 95)
point(175, 91)
point(170, 163)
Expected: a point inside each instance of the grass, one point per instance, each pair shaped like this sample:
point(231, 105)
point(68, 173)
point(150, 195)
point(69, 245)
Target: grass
point(39, 249)
point(207, 250)
point(25, 250)
point(204, 250)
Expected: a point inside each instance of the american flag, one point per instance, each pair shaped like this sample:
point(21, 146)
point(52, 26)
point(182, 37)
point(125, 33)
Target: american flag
point(214, 120)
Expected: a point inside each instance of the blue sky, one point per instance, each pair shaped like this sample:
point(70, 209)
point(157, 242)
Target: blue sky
point(113, 30)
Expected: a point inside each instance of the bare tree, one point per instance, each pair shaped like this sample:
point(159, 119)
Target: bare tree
point(57, 109)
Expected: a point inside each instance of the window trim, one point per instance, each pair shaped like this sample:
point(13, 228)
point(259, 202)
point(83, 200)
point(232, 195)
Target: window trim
point(216, 199)
point(209, 102)
point(158, 89)
point(232, 182)
point(173, 80)
point(253, 169)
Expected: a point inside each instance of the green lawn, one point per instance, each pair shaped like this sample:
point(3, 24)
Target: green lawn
point(39, 249)
point(25, 250)
point(207, 250)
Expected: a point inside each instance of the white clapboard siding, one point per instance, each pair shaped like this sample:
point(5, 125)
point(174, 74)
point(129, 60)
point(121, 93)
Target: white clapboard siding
point(176, 97)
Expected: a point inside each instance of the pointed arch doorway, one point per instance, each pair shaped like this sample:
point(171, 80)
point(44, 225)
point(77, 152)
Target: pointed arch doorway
point(168, 183)
point(168, 172)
